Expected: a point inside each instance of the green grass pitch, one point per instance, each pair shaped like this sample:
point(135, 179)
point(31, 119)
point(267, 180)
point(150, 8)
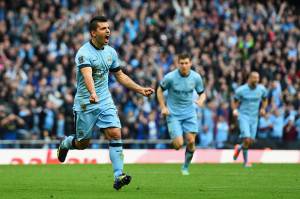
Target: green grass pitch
point(157, 181)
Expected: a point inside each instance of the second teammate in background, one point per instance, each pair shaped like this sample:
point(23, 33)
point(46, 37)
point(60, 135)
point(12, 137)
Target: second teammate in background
point(250, 101)
point(179, 108)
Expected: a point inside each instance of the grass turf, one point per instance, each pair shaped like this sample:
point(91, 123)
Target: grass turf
point(151, 181)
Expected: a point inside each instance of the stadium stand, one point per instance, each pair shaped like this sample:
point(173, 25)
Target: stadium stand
point(227, 39)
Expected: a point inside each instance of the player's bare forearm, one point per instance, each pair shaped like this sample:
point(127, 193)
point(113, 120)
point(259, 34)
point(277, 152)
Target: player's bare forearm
point(128, 82)
point(234, 105)
point(161, 101)
point(264, 104)
point(160, 98)
point(88, 79)
point(201, 99)
point(89, 83)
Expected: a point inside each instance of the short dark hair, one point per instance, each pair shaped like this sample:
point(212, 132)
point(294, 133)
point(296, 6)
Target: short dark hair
point(95, 20)
point(184, 56)
point(252, 72)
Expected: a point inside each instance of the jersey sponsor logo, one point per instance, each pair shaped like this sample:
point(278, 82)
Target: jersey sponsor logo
point(182, 92)
point(249, 97)
point(99, 73)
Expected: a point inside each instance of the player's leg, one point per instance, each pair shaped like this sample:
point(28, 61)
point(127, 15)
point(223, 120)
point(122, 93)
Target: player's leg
point(175, 132)
point(189, 152)
point(249, 140)
point(115, 149)
point(189, 126)
point(245, 147)
point(84, 124)
point(110, 123)
point(117, 157)
point(245, 135)
point(177, 142)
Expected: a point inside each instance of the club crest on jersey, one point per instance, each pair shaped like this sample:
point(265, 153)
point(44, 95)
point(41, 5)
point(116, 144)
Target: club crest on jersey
point(192, 84)
point(109, 60)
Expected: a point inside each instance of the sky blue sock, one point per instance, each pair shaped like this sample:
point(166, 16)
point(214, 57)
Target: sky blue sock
point(245, 154)
point(116, 156)
point(188, 158)
point(67, 142)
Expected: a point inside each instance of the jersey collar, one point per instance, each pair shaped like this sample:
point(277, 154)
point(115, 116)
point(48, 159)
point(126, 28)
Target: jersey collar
point(251, 88)
point(183, 75)
point(96, 46)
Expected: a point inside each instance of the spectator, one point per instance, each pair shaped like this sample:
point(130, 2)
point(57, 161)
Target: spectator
point(297, 124)
point(265, 126)
point(289, 131)
point(207, 125)
point(222, 131)
point(277, 120)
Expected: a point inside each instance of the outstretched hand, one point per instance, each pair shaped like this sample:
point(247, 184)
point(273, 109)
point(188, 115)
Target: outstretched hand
point(147, 92)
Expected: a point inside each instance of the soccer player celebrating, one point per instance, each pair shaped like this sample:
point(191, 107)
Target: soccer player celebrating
point(250, 100)
point(93, 104)
point(180, 111)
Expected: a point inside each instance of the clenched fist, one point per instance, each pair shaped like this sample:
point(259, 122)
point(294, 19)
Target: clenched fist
point(147, 91)
point(94, 98)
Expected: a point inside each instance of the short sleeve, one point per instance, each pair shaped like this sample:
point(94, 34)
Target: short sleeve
point(199, 85)
point(115, 64)
point(165, 82)
point(238, 94)
point(82, 60)
point(264, 92)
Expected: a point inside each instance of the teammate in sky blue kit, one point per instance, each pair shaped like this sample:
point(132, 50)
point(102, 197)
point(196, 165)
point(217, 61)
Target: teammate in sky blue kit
point(180, 111)
point(250, 100)
point(93, 104)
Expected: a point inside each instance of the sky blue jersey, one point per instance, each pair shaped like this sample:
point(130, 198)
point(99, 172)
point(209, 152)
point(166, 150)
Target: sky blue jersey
point(250, 99)
point(102, 61)
point(180, 92)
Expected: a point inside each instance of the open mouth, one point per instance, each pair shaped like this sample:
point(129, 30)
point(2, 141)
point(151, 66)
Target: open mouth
point(106, 38)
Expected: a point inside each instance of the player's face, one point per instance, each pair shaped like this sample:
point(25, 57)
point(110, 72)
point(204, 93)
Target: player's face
point(102, 33)
point(254, 79)
point(185, 66)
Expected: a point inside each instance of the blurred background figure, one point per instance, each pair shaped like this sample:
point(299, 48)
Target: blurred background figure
point(222, 131)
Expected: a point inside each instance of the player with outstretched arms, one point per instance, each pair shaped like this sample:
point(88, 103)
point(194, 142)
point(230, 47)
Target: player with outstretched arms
point(93, 104)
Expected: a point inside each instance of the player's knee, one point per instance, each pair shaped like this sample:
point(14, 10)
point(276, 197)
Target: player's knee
point(177, 144)
point(191, 146)
point(113, 134)
point(83, 144)
point(247, 142)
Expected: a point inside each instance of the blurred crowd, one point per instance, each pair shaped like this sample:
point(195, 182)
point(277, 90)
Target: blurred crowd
point(227, 39)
